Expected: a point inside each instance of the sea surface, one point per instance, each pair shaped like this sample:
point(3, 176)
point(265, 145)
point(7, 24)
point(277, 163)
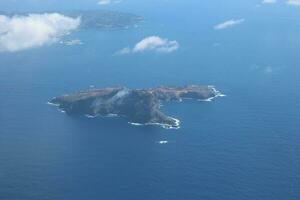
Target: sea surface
point(245, 146)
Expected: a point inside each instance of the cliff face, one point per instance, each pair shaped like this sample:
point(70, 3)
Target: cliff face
point(138, 105)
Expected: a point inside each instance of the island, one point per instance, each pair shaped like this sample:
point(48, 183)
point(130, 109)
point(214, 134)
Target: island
point(139, 106)
point(105, 20)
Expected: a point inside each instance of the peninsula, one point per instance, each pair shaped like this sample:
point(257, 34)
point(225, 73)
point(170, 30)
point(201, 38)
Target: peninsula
point(139, 106)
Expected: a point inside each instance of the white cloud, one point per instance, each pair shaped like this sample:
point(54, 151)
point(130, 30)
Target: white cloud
point(228, 24)
point(107, 2)
point(152, 43)
point(294, 2)
point(269, 1)
point(34, 30)
point(156, 43)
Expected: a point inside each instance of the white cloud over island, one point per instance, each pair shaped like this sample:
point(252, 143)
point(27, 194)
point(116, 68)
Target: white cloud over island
point(152, 43)
point(228, 24)
point(34, 30)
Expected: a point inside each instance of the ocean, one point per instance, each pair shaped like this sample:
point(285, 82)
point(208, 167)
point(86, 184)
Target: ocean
point(243, 146)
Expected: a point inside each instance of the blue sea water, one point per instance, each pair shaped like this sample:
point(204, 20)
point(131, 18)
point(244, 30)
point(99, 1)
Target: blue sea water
point(244, 146)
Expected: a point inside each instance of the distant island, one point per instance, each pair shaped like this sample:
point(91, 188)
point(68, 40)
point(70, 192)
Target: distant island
point(94, 19)
point(139, 106)
point(105, 20)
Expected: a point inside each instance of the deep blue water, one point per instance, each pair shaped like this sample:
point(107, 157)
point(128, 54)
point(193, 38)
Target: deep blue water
point(241, 147)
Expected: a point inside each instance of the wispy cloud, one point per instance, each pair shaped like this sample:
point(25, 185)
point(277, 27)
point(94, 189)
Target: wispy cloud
point(228, 24)
point(289, 2)
point(265, 69)
point(269, 1)
point(107, 2)
point(268, 70)
point(294, 2)
point(72, 42)
point(34, 30)
point(152, 43)
point(125, 50)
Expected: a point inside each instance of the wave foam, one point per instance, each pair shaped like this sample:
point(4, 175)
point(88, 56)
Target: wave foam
point(216, 92)
point(52, 104)
point(163, 142)
point(62, 111)
point(165, 126)
point(90, 116)
point(136, 124)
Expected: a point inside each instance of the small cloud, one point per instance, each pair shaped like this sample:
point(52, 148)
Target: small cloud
point(155, 43)
point(269, 1)
point(152, 43)
point(19, 33)
point(107, 2)
point(125, 50)
point(72, 42)
point(265, 69)
point(228, 24)
point(294, 2)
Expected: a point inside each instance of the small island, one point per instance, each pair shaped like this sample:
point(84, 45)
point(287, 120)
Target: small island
point(139, 106)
